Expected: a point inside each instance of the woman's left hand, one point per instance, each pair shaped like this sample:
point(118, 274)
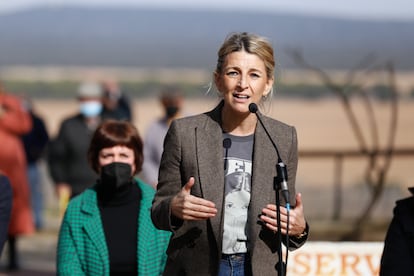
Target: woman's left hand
point(297, 222)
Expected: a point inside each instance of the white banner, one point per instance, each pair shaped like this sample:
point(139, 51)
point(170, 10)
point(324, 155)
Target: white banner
point(336, 259)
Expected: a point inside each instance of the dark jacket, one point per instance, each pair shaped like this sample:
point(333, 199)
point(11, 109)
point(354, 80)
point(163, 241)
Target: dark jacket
point(121, 112)
point(398, 255)
point(193, 147)
point(67, 158)
point(36, 140)
point(6, 198)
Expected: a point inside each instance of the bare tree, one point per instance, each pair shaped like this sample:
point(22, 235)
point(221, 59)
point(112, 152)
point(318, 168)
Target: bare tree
point(379, 160)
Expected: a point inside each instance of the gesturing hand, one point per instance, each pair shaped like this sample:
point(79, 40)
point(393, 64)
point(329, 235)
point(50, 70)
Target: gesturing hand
point(188, 207)
point(297, 222)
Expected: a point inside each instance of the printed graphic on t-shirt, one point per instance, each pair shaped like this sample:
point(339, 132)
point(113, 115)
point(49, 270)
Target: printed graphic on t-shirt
point(237, 198)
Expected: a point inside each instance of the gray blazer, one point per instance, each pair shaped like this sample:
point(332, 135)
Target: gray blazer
point(193, 147)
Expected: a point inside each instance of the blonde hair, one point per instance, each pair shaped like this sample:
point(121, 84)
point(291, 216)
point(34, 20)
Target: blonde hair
point(252, 44)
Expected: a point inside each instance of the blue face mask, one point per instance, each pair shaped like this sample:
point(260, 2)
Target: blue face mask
point(90, 108)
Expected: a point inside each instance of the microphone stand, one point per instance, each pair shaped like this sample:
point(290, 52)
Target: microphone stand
point(280, 265)
point(279, 184)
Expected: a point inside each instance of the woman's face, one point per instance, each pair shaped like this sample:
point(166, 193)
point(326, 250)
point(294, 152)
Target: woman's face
point(243, 81)
point(120, 154)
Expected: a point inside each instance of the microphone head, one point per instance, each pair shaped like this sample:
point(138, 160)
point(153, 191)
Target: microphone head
point(226, 143)
point(253, 108)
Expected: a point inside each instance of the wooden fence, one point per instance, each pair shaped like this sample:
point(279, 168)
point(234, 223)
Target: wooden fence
point(338, 157)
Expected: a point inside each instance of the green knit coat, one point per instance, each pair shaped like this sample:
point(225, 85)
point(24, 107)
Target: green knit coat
point(82, 248)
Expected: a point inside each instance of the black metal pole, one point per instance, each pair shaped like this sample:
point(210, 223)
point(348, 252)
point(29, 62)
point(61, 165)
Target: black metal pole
point(281, 271)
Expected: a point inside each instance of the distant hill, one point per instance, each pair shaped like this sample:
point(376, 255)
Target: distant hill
point(190, 38)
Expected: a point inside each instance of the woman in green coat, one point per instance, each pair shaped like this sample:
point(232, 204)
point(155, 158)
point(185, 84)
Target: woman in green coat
point(107, 229)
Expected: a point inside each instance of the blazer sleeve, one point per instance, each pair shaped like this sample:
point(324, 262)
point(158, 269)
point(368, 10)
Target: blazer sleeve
point(68, 262)
point(292, 165)
point(170, 182)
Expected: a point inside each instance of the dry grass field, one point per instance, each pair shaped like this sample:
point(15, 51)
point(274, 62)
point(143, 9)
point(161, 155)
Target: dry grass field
point(320, 125)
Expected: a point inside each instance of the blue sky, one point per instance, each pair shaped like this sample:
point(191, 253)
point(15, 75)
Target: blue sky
point(368, 9)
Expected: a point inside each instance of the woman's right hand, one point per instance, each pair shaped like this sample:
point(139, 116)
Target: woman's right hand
point(188, 207)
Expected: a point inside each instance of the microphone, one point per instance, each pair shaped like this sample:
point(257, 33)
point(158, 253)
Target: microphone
point(226, 145)
point(281, 169)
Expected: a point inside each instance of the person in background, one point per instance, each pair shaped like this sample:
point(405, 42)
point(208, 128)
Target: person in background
point(107, 229)
point(115, 103)
point(217, 197)
point(35, 143)
point(398, 253)
point(6, 198)
point(171, 100)
point(15, 122)
point(67, 160)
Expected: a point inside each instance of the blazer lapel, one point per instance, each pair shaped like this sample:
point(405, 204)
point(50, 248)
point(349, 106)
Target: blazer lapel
point(210, 163)
point(263, 171)
point(93, 227)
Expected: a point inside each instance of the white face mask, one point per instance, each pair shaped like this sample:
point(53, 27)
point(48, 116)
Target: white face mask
point(90, 108)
